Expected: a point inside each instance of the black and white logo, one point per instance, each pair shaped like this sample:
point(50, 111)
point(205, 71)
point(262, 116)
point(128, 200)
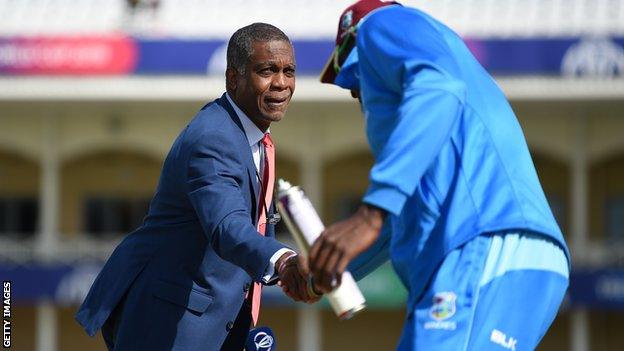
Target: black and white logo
point(263, 341)
point(595, 57)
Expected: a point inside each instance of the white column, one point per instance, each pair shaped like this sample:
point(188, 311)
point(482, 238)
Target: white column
point(579, 324)
point(47, 240)
point(580, 338)
point(311, 179)
point(309, 331)
point(579, 226)
point(309, 328)
point(46, 327)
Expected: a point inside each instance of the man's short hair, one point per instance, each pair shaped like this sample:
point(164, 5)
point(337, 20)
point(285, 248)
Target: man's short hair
point(240, 47)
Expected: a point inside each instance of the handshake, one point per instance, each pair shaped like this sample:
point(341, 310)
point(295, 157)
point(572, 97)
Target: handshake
point(306, 280)
point(295, 279)
point(328, 250)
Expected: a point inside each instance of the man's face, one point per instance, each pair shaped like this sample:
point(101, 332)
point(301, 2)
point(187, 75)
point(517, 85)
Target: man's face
point(264, 91)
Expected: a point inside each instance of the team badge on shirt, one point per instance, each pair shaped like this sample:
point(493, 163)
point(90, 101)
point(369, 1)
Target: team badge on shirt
point(443, 308)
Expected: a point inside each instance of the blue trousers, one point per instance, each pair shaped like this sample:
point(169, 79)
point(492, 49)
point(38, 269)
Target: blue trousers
point(496, 292)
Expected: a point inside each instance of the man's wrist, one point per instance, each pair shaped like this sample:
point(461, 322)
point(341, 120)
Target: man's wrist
point(373, 215)
point(282, 262)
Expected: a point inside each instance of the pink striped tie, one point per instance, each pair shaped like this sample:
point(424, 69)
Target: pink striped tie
point(266, 196)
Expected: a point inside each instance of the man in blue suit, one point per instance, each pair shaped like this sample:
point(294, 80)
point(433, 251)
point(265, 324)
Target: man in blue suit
point(453, 196)
point(188, 277)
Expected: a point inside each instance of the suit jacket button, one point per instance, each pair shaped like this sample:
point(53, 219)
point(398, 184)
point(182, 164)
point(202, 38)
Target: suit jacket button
point(229, 326)
point(246, 287)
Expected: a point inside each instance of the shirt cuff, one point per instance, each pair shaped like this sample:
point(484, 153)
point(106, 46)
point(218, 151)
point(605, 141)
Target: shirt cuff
point(386, 198)
point(269, 274)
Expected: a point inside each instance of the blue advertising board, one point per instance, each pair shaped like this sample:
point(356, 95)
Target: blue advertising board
point(124, 55)
point(69, 284)
point(601, 289)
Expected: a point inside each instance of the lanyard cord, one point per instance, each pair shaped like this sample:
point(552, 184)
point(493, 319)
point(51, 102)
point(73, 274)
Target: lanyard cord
point(275, 217)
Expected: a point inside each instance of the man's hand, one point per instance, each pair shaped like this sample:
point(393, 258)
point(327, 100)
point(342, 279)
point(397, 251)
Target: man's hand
point(293, 272)
point(339, 243)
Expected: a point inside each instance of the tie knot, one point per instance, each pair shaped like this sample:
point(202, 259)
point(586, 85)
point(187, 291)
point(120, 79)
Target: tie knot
point(267, 141)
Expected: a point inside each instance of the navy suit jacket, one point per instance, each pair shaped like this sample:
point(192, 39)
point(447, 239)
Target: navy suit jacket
point(183, 275)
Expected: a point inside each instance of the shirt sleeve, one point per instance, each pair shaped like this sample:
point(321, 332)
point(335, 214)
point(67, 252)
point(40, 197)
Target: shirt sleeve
point(411, 98)
point(270, 275)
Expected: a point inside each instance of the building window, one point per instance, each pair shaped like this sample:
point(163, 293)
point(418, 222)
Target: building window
point(615, 218)
point(109, 216)
point(18, 217)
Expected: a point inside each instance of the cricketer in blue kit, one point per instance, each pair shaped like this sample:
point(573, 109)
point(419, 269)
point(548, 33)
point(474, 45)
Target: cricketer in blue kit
point(453, 198)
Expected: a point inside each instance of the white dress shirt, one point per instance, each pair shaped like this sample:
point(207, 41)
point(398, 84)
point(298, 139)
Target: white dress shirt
point(254, 137)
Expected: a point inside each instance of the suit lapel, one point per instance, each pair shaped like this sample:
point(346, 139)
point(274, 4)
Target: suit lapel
point(247, 156)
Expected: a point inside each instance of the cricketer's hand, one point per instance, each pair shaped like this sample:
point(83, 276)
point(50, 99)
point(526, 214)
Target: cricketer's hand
point(293, 272)
point(339, 243)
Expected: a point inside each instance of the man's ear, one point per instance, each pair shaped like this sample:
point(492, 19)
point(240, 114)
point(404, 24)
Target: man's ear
point(231, 81)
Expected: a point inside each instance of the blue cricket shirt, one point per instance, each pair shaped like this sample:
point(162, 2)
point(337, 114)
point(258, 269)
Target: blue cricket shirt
point(451, 161)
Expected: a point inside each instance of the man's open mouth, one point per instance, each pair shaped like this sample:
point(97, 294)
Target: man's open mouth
point(275, 102)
